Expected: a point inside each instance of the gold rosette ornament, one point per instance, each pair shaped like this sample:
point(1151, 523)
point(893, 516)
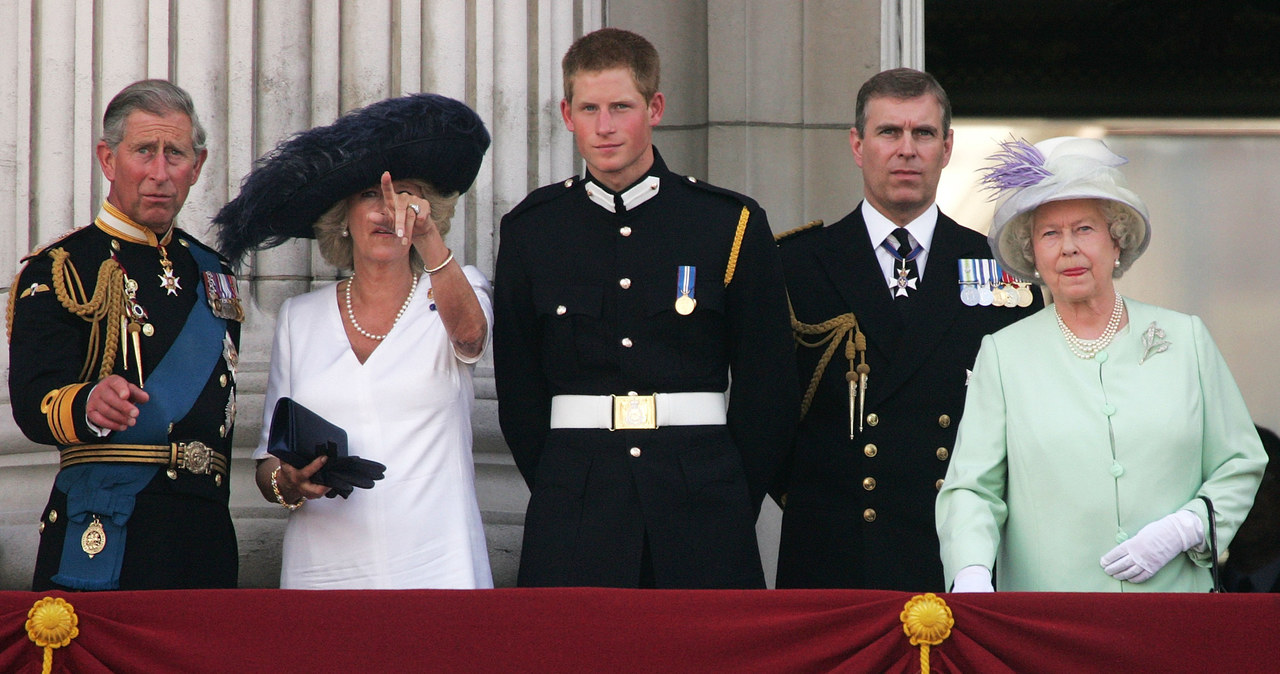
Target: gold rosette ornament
point(927, 621)
point(52, 623)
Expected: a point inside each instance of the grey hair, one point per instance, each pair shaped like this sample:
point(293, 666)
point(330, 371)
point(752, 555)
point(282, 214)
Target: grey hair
point(158, 97)
point(337, 250)
point(1124, 224)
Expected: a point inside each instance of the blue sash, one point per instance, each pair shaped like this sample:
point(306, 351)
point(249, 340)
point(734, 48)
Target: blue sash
point(109, 489)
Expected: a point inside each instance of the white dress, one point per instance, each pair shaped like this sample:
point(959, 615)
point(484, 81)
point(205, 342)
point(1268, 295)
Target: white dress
point(408, 406)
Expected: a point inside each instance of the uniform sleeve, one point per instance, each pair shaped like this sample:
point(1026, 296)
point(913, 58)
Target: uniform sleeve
point(484, 295)
point(764, 403)
point(524, 400)
point(971, 509)
point(278, 384)
point(1233, 459)
point(48, 346)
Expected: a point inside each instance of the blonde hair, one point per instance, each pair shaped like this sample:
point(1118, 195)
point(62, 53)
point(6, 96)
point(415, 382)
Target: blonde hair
point(336, 248)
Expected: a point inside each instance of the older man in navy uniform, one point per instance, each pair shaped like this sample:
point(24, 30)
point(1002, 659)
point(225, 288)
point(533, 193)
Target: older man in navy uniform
point(122, 353)
point(624, 302)
point(886, 340)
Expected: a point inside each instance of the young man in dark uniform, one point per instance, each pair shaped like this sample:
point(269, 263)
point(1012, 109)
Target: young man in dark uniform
point(887, 339)
point(625, 302)
point(122, 353)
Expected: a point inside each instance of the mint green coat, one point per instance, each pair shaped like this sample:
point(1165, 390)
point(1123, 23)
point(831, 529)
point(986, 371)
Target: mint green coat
point(1059, 458)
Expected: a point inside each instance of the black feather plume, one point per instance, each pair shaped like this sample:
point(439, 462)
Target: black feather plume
point(424, 136)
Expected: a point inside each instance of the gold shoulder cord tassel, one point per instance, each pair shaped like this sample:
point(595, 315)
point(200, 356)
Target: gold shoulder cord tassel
point(107, 302)
point(828, 333)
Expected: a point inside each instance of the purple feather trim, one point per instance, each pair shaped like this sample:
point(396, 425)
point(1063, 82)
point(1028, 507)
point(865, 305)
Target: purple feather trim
point(1018, 164)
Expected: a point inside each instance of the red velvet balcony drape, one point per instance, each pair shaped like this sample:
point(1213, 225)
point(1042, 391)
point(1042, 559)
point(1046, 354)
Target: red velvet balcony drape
point(616, 631)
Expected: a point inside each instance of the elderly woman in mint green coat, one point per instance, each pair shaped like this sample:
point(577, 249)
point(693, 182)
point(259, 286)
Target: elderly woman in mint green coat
point(1093, 428)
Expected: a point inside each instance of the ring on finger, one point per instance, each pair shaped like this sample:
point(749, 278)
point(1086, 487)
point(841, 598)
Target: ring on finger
point(416, 209)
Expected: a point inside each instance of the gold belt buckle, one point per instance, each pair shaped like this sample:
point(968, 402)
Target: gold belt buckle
point(197, 458)
point(634, 412)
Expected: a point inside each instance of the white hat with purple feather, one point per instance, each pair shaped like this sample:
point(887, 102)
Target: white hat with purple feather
point(1026, 176)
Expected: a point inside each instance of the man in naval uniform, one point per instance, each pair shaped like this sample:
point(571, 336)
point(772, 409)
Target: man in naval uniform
point(122, 353)
point(885, 342)
point(625, 301)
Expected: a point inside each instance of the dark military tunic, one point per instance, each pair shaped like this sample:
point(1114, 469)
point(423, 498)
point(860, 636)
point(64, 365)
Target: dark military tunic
point(859, 513)
point(180, 534)
point(584, 304)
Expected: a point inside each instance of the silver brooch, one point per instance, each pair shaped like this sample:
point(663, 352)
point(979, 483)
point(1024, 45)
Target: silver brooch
point(1153, 341)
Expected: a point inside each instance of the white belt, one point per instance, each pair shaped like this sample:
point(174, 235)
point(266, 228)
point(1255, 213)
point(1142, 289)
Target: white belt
point(631, 412)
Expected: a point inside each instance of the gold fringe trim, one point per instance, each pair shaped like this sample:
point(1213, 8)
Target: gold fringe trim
point(927, 621)
point(737, 244)
point(52, 623)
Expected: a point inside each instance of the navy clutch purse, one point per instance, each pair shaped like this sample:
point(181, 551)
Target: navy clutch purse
point(298, 436)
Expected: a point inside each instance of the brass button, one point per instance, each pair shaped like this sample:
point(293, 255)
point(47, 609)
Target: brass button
point(869, 514)
point(625, 283)
point(115, 245)
point(873, 419)
point(217, 479)
point(625, 231)
point(53, 516)
point(943, 454)
point(568, 183)
point(626, 341)
point(222, 381)
point(635, 451)
point(870, 450)
point(561, 310)
point(938, 484)
point(148, 329)
point(944, 421)
point(692, 179)
point(222, 431)
point(869, 483)
point(42, 527)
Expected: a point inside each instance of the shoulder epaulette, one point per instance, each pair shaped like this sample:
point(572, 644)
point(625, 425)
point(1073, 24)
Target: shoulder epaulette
point(542, 195)
point(42, 248)
point(809, 226)
point(743, 199)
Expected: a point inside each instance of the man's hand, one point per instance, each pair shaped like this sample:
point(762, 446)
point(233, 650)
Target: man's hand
point(113, 403)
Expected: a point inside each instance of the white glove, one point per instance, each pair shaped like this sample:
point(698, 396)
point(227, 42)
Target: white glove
point(973, 578)
point(1139, 558)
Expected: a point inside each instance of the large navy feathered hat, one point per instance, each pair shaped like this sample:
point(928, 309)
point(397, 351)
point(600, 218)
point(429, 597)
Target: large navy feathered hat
point(424, 136)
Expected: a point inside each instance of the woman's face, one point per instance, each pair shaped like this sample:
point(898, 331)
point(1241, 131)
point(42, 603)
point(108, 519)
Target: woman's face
point(1073, 250)
point(373, 236)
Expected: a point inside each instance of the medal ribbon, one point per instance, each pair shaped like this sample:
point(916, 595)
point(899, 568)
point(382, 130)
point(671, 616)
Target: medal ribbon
point(685, 278)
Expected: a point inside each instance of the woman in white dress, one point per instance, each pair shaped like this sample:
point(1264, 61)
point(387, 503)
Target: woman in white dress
point(387, 354)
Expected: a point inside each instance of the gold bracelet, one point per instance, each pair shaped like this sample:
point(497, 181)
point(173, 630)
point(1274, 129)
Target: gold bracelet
point(275, 489)
point(447, 260)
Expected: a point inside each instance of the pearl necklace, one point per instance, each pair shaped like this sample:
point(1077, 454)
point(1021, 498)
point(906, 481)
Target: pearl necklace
point(1088, 348)
point(352, 315)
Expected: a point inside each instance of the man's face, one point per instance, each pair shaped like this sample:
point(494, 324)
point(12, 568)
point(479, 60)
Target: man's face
point(152, 169)
point(612, 125)
point(902, 155)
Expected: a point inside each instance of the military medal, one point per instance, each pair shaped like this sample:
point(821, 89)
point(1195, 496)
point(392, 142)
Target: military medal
point(224, 299)
point(1024, 295)
point(685, 278)
point(968, 282)
point(985, 296)
point(904, 281)
point(94, 539)
point(168, 280)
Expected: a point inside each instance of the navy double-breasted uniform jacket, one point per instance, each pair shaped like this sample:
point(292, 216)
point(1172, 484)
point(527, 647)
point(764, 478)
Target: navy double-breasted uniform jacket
point(180, 533)
point(584, 305)
point(859, 512)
